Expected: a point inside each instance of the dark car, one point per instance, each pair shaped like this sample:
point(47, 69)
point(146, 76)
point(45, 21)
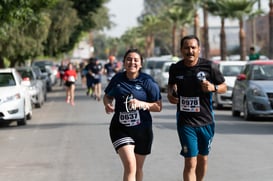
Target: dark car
point(253, 90)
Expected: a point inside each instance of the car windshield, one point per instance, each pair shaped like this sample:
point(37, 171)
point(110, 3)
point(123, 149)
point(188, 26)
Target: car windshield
point(149, 64)
point(262, 72)
point(167, 68)
point(159, 64)
point(232, 70)
point(26, 73)
point(6, 79)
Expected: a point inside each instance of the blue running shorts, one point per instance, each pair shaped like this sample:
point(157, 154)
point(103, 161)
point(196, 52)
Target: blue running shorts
point(195, 140)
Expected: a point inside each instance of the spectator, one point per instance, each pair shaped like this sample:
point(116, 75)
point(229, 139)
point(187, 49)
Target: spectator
point(253, 55)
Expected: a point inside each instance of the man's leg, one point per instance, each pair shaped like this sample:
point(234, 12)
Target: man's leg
point(201, 168)
point(189, 173)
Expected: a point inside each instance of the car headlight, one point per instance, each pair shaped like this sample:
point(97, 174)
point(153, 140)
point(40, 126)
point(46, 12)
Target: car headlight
point(33, 87)
point(255, 91)
point(12, 97)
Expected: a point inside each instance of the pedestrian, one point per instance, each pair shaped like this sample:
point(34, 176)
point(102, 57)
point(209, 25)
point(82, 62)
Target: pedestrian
point(192, 82)
point(111, 68)
point(62, 68)
point(70, 77)
point(89, 77)
point(83, 73)
point(136, 94)
point(96, 73)
point(253, 55)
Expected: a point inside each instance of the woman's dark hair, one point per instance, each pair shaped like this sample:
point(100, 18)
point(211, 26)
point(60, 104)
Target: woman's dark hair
point(189, 37)
point(133, 50)
point(92, 60)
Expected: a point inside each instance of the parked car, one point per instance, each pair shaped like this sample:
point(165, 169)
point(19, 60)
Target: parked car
point(237, 57)
point(253, 90)
point(164, 76)
point(15, 101)
point(48, 67)
point(36, 86)
point(148, 65)
point(153, 65)
point(44, 78)
point(230, 69)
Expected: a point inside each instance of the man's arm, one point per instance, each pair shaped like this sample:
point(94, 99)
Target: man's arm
point(172, 94)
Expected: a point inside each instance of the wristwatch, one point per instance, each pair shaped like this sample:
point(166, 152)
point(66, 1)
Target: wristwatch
point(215, 88)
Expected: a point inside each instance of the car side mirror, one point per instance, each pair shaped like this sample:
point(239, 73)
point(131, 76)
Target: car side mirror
point(241, 77)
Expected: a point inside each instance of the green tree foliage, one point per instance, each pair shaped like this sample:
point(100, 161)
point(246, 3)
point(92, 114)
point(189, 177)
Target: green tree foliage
point(239, 9)
point(16, 18)
point(30, 27)
point(64, 20)
point(89, 12)
point(26, 41)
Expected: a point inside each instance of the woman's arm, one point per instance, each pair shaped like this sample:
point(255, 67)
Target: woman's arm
point(108, 104)
point(151, 106)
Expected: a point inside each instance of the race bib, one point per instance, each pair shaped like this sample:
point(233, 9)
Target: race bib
point(189, 104)
point(71, 79)
point(129, 119)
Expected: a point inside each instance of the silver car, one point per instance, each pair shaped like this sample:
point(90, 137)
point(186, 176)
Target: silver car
point(36, 86)
point(163, 76)
point(253, 90)
point(229, 69)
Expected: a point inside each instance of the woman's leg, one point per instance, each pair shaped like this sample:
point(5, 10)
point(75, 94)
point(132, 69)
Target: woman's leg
point(67, 89)
point(99, 91)
point(128, 159)
point(139, 163)
point(72, 94)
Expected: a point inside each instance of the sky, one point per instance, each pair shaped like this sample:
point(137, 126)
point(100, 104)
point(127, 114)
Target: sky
point(124, 14)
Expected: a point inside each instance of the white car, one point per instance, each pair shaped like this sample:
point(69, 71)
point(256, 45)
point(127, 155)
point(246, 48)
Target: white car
point(15, 101)
point(230, 69)
point(163, 76)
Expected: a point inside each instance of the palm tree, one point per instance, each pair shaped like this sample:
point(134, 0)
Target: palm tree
point(149, 27)
point(195, 5)
point(238, 9)
point(216, 10)
point(206, 49)
point(178, 15)
point(131, 37)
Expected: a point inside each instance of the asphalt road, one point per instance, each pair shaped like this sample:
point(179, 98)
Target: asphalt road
point(66, 143)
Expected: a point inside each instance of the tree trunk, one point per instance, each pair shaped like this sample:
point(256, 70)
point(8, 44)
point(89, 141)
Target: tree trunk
point(183, 32)
point(91, 39)
point(223, 41)
point(206, 50)
point(270, 51)
point(149, 45)
point(242, 41)
point(2, 62)
point(196, 25)
point(174, 44)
